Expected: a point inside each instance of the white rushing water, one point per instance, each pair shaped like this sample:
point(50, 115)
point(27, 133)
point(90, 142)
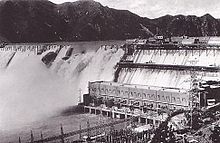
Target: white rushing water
point(29, 91)
point(89, 66)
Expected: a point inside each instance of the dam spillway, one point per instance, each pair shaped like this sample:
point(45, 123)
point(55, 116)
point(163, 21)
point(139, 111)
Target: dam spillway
point(169, 68)
point(22, 70)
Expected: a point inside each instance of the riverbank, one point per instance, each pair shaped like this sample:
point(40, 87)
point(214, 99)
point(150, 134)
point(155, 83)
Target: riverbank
point(51, 126)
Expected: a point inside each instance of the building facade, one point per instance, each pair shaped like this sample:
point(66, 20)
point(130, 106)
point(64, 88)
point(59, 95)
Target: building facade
point(141, 96)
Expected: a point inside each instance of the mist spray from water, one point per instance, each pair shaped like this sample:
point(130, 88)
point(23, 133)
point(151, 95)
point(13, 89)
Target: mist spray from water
point(29, 92)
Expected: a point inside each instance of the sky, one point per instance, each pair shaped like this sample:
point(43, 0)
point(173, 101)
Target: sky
point(157, 8)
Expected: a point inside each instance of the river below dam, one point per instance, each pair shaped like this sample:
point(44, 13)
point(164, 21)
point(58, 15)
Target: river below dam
point(32, 94)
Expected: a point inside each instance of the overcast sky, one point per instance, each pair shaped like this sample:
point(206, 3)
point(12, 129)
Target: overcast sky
point(157, 8)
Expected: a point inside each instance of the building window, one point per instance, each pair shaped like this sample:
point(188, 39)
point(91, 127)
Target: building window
point(126, 93)
point(158, 97)
point(102, 89)
point(153, 97)
point(183, 99)
point(122, 93)
point(106, 91)
point(148, 95)
point(168, 98)
point(178, 100)
point(173, 99)
point(135, 94)
point(163, 98)
point(113, 91)
point(118, 91)
point(144, 95)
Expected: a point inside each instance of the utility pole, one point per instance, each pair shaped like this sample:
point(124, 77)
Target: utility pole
point(42, 138)
point(62, 134)
point(88, 129)
point(80, 95)
point(19, 139)
point(32, 137)
point(80, 128)
point(193, 86)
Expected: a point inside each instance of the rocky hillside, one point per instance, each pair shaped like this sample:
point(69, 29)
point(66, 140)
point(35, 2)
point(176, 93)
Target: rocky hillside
point(188, 25)
point(30, 21)
point(43, 21)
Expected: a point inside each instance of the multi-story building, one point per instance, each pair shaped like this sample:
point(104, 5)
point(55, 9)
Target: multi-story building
point(141, 96)
point(150, 104)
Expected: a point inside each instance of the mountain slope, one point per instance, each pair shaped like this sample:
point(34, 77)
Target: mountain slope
point(30, 21)
point(43, 21)
point(89, 20)
point(188, 25)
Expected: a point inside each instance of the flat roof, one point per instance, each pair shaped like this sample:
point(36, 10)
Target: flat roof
point(138, 86)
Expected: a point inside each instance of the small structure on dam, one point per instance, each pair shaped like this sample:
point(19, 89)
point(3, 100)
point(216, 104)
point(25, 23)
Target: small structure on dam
point(156, 77)
point(36, 48)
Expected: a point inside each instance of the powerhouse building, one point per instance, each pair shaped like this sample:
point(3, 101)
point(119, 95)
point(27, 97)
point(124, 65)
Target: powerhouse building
point(141, 96)
point(149, 104)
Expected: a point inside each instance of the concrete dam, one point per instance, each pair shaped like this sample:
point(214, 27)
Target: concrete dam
point(151, 78)
point(115, 80)
point(170, 68)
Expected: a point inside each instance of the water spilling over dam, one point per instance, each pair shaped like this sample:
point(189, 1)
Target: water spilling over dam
point(29, 87)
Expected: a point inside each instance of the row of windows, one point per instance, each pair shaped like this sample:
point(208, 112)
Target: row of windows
point(147, 104)
point(166, 98)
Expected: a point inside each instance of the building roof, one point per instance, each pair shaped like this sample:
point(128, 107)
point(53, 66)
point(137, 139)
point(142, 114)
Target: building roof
point(214, 41)
point(203, 39)
point(177, 39)
point(188, 40)
point(138, 86)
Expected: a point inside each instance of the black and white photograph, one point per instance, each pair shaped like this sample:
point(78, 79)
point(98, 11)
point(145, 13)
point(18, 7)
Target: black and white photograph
point(109, 71)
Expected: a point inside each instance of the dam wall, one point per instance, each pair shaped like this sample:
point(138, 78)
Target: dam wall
point(208, 57)
point(170, 68)
point(75, 62)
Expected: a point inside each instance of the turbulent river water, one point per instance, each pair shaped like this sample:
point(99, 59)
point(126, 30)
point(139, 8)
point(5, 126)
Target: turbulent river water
point(31, 91)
